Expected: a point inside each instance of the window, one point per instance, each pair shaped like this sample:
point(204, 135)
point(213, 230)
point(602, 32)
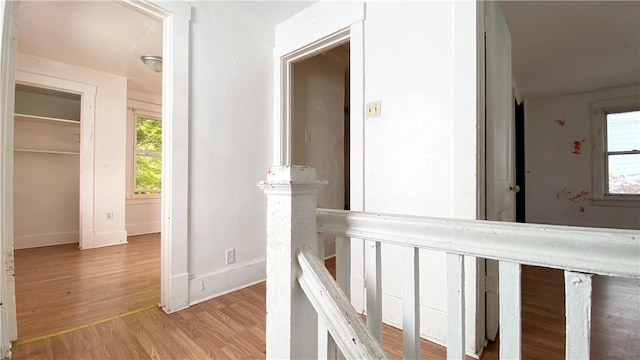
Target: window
point(144, 152)
point(616, 151)
point(148, 156)
point(623, 153)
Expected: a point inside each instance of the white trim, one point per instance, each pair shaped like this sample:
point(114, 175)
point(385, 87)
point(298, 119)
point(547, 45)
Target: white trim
point(8, 323)
point(316, 22)
point(285, 91)
point(40, 240)
point(223, 281)
point(87, 144)
point(110, 238)
point(599, 111)
point(143, 228)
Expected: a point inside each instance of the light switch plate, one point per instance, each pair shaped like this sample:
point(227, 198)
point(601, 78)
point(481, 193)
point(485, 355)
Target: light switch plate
point(374, 109)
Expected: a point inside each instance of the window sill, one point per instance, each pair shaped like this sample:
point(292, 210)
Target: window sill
point(622, 201)
point(142, 200)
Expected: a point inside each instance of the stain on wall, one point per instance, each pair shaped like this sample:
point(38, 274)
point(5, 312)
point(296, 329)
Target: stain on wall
point(577, 146)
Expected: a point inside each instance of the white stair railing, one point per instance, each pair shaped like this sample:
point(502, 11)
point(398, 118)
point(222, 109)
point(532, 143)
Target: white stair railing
point(580, 252)
point(298, 289)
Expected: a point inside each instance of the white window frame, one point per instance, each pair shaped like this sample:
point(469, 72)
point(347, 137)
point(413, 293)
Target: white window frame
point(599, 111)
point(138, 108)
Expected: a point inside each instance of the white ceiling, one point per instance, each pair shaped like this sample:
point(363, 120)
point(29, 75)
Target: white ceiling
point(107, 36)
point(558, 47)
point(101, 35)
point(561, 47)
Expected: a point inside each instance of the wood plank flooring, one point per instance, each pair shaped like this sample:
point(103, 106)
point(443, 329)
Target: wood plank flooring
point(232, 326)
point(61, 287)
point(615, 314)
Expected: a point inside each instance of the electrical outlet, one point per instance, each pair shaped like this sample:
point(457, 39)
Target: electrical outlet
point(374, 109)
point(109, 215)
point(230, 255)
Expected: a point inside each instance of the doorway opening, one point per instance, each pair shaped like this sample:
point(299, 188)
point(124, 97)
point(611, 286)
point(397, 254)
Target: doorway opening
point(175, 19)
point(63, 154)
point(320, 125)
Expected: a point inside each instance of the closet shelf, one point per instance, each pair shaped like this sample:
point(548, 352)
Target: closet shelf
point(47, 151)
point(45, 119)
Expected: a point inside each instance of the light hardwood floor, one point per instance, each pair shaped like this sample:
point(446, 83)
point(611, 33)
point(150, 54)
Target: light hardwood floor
point(61, 287)
point(232, 326)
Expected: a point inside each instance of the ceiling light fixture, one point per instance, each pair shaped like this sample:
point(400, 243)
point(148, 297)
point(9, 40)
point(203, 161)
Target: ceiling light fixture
point(153, 62)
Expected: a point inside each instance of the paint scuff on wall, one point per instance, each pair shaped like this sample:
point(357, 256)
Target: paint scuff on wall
point(560, 122)
point(577, 198)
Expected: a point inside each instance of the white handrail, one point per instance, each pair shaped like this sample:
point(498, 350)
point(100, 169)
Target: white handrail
point(343, 322)
point(591, 250)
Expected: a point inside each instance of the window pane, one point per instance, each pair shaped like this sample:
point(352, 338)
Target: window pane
point(623, 131)
point(148, 175)
point(148, 134)
point(624, 174)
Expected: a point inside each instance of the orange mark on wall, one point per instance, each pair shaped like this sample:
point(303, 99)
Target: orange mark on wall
point(560, 122)
point(577, 146)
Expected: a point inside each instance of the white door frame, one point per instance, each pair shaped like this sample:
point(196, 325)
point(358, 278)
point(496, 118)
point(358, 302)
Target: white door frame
point(319, 28)
point(8, 323)
point(176, 17)
point(87, 149)
point(494, 26)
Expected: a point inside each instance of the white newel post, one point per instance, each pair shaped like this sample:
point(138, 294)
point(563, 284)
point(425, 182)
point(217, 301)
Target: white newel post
point(292, 323)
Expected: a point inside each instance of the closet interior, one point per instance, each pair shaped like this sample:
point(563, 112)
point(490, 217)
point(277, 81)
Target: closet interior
point(46, 167)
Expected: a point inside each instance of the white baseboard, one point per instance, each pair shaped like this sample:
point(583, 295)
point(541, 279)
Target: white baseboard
point(40, 240)
point(109, 238)
point(228, 279)
point(179, 294)
point(143, 228)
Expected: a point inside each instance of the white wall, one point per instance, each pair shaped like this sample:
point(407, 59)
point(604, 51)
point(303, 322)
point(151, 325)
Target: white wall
point(110, 135)
point(554, 174)
point(231, 95)
point(142, 216)
point(413, 155)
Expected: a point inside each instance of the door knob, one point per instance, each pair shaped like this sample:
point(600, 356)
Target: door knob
point(515, 188)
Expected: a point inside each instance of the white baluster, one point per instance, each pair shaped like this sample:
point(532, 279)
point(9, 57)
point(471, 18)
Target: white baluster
point(411, 304)
point(291, 222)
point(343, 264)
point(326, 345)
point(455, 306)
point(372, 281)
point(320, 239)
point(577, 287)
point(343, 268)
point(510, 310)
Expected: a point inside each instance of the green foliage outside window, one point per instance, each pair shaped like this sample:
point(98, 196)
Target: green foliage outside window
point(148, 156)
